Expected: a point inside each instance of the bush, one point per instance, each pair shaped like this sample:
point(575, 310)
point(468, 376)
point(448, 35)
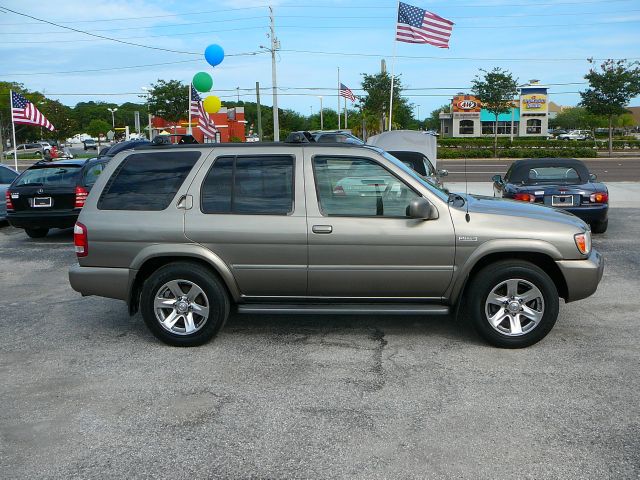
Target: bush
point(516, 153)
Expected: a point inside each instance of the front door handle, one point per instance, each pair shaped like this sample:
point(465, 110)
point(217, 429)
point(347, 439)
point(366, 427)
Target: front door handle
point(322, 229)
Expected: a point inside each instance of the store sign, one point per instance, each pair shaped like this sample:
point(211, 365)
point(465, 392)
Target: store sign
point(466, 104)
point(534, 103)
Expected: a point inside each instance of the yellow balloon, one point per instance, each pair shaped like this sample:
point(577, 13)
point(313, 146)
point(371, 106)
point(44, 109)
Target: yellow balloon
point(211, 104)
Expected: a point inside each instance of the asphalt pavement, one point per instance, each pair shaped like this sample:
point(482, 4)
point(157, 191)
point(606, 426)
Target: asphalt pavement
point(88, 392)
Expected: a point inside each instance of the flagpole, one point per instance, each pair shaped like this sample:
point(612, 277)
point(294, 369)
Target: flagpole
point(393, 66)
point(338, 98)
point(13, 126)
point(190, 131)
point(345, 113)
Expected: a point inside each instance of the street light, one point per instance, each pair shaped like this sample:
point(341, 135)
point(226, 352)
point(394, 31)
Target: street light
point(321, 116)
point(113, 118)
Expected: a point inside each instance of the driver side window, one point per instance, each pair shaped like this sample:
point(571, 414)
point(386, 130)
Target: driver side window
point(359, 187)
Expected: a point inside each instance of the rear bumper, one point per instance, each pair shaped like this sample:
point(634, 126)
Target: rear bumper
point(49, 219)
point(596, 213)
point(102, 281)
point(582, 276)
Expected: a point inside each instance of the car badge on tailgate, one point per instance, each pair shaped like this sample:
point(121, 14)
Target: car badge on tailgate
point(41, 190)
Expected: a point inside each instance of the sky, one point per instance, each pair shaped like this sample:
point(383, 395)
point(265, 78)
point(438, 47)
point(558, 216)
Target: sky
point(546, 40)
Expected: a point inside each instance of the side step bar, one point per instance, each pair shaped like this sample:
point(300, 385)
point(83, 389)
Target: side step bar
point(344, 309)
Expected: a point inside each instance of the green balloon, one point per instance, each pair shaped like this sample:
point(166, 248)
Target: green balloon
point(202, 82)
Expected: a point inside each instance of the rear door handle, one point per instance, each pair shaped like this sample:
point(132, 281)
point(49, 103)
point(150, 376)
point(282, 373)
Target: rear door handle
point(322, 229)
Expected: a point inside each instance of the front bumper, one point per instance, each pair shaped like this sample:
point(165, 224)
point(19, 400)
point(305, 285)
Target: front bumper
point(49, 219)
point(102, 281)
point(582, 276)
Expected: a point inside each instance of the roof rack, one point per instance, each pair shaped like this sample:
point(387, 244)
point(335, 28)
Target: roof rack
point(166, 139)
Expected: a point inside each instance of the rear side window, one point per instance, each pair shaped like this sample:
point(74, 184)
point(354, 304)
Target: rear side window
point(261, 185)
point(147, 181)
point(92, 174)
point(7, 176)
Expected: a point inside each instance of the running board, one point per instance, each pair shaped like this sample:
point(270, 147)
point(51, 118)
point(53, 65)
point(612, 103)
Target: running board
point(344, 309)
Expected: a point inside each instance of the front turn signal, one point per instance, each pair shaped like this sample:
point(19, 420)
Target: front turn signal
point(583, 242)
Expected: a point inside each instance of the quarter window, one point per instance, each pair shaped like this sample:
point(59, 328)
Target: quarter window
point(359, 187)
point(147, 181)
point(261, 185)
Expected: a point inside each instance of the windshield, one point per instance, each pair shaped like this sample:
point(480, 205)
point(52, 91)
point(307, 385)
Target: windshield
point(436, 190)
point(49, 176)
point(553, 174)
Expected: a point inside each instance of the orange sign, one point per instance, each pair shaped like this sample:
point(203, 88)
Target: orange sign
point(466, 104)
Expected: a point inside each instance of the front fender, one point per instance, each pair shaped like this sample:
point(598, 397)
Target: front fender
point(498, 246)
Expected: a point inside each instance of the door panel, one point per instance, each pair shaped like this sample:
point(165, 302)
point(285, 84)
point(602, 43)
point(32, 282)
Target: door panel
point(241, 215)
point(372, 254)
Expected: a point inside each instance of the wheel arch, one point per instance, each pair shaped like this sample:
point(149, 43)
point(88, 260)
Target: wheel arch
point(157, 256)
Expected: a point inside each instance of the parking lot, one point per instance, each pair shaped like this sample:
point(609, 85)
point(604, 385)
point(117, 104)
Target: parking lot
point(88, 392)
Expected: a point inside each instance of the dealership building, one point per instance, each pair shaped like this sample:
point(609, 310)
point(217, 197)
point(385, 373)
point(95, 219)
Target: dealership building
point(527, 117)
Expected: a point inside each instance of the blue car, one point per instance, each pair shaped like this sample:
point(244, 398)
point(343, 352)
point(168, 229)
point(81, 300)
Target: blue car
point(7, 175)
point(557, 182)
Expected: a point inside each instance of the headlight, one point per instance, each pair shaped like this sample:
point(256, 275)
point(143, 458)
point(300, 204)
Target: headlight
point(583, 242)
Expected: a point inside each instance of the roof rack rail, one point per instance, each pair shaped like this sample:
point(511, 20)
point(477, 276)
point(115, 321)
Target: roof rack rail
point(166, 139)
point(300, 137)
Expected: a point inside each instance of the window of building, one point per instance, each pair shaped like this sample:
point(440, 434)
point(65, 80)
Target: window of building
point(504, 128)
point(260, 185)
point(534, 126)
point(147, 181)
point(359, 187)
point(446, 129)
point(466, 127)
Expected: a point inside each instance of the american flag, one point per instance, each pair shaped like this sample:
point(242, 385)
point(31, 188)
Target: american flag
point(204, 122)
point(25, 112)
point(346, 92)
point(416, 25)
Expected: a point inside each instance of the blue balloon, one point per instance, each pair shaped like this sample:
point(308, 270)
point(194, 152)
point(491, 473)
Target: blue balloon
point(214, 54)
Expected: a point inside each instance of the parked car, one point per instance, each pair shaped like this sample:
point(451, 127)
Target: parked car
point(421, 164)
point(336, 136)
point(51, 194)
point(7, 175)
point(90, 144)
point(26, 150)
point(186, 232)
point(576, 135)
point(557, 182)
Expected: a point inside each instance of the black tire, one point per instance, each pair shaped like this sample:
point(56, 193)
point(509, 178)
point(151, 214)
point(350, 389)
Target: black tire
point(36, 232)
point(215, 296)
point(600, 227)
point(493, 275)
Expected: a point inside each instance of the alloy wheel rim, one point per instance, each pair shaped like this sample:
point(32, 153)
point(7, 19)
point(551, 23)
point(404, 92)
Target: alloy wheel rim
point(181, 307)
point(514, 307)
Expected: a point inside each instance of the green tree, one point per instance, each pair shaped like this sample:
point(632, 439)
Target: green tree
point(433, 122)
point(98, 127)
point(62, 118)
point(577, 118)
point(376, 100)
point(169, 100)
point(496, 90)
point(610, 89)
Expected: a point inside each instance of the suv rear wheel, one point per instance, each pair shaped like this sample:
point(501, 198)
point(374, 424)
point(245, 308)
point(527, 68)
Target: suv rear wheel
point(514, 303)
point(184, 304)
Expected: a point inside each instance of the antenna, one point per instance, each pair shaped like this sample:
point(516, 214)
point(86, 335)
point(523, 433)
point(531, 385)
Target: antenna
point(466, 192)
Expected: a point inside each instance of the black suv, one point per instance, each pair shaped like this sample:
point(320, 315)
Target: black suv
point(51, 195)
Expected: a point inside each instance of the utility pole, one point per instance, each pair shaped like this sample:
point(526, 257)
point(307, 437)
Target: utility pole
point(275, 45)
point(321, 114)
point(258, 112)
point(238, 92)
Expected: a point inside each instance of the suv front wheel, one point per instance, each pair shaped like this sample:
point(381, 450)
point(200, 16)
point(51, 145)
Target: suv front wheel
point(514, 303)
point(184, 304)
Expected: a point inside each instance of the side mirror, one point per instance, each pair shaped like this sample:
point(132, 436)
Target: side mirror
point(592, 177)
point(497, 179)
point(443, 173)
point(422, 209)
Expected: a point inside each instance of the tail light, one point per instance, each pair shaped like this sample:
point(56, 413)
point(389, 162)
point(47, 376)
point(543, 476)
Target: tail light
point(80, 240)
point(338, 190)
point(81, 196)
point(525, 197)
point(601, 197)
point(7, 196)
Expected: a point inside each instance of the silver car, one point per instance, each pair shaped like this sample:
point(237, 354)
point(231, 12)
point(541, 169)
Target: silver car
point(186, 233)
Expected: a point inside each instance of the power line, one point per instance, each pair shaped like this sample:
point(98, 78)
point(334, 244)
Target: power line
point(99, 36)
